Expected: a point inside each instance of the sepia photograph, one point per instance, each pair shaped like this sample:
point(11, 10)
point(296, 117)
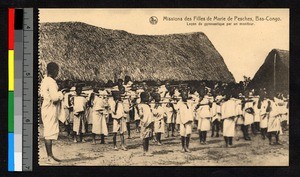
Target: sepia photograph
point(163, 87)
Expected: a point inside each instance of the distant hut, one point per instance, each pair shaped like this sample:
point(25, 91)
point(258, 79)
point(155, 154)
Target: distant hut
point(274, 73)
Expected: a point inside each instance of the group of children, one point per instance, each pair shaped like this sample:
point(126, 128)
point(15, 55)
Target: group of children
point(164, 110)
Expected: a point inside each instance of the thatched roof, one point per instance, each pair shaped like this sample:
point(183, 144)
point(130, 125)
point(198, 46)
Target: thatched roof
point(284, 55)
point(264, 77)
point(90, 53)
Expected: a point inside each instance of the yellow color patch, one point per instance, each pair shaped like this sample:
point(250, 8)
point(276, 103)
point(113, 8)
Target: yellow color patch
point(11, 70)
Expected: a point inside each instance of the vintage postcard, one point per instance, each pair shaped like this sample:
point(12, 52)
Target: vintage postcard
point(163, 87)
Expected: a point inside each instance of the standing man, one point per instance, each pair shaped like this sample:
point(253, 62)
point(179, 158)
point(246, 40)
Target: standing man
point(50, 108)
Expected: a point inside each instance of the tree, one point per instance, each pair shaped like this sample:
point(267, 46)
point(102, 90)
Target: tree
point(246, 81)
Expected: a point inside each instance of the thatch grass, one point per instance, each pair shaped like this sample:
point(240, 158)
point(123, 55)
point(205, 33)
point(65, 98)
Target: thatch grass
point(90, 53)
point(264, 77)
point(284, 56)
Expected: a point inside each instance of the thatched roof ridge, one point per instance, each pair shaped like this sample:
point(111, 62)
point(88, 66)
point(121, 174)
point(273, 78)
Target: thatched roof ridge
point(273, 67)
point(284, 56)
point(91, 53)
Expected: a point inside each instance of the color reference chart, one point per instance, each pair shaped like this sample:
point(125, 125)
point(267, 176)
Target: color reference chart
point(20, 68)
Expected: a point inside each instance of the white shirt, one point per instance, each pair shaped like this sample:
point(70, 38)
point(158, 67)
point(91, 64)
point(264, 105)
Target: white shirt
point(119, 112)
point(79, 104)
point(98, 104)
point(228, 109)
point(204, 110)
point(186, 112)
point(49, 90)
point(145, 114)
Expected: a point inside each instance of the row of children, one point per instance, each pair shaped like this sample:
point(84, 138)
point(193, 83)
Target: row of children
point(151, 111)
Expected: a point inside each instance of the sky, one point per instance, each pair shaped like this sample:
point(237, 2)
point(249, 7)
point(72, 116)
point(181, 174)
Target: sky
point(243, 47)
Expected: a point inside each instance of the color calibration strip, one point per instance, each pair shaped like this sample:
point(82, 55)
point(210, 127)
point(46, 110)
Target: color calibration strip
point(20, 60)
point(11, 22)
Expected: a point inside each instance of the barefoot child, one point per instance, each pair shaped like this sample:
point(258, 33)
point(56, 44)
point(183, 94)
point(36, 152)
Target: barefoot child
point(239, 116)
point(171, 116)
point(204, 118)
point(99, 118)
point(67, 106)
point(146, 116)
point(136, 117)
point(127, 107)
point(257, 109)
point(229, 115)
point(159, 115)
point(264, 115)
point(186, 121)
point(119, 122)
point(248, 113)
point(80, 103)
point(216, 116)
point(274, 126)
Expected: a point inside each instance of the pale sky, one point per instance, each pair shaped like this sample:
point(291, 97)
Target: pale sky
point(244, 48)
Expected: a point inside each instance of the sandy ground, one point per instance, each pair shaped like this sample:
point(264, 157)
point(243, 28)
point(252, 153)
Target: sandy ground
point(257, 152)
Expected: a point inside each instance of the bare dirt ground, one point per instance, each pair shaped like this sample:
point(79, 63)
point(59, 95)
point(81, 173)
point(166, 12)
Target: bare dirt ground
point(257, 152)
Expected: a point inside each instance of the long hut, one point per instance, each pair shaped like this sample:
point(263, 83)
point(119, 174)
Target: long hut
point(89, 53)
point(274, 72)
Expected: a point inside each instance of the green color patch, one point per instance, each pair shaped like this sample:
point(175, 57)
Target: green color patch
point(10, 112)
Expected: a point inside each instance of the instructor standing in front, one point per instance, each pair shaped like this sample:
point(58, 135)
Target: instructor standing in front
point(50, 108)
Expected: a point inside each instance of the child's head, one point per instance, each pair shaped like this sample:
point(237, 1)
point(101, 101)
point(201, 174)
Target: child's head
point(192, 90)
point(116, 95)
point(120, 82)
point(52, 70)
point(184, 96)
point(109, 83)
point(133, 87)
point(156, 97)
point(96, 90)
point(271, 95)
point(69, 84)
point(78, 89)
point(122, 89)
point(127, 79)
point(145, 97)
